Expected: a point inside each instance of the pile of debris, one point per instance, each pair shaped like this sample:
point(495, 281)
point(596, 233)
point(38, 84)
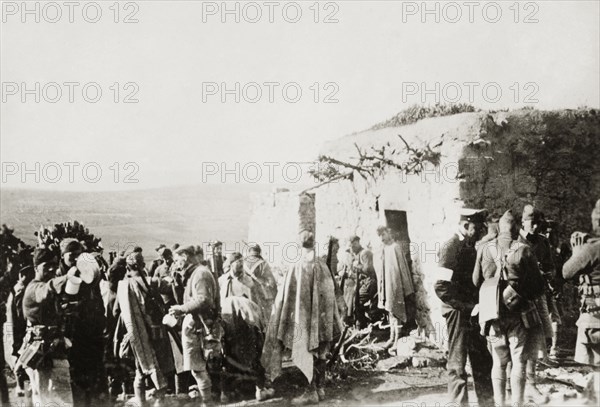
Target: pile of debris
point(364, 350)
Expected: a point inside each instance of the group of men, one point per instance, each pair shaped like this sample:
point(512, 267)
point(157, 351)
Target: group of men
point(175, 325)
point(499, 301)
point(181, 323)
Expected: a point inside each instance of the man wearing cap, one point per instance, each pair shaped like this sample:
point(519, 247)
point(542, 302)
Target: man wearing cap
point(166, 261)
point(508, 335)
point(256, 266)
point(305, 303)
point(585, 265)
point(216, 258)
point(236, 282)
point(200, 311)
point(359, 282)
point(86, 323)
point(454, 286)
point(43, 311)
point(156, 262)
point(532, 221)
point(147, 336)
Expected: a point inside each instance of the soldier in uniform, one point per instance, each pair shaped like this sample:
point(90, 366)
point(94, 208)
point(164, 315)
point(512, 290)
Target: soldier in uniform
point(49, 374)
point(200, 327)
point(454, 286)
point(585, 265)
point(531, 225)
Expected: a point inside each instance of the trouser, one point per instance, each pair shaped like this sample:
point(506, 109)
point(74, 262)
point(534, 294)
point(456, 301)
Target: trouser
point(204, 384)
point(89, 378)
point(587, 348)
point(3, 384)
point(182, 382)
point(508, 339)
point(51, 383)
point(119, 379)
point(319, 369)
point(464, 340)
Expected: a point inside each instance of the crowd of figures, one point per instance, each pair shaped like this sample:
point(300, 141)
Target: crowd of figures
point(87, 331)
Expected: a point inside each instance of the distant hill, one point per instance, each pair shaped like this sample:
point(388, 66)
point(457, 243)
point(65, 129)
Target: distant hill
point(186, 215)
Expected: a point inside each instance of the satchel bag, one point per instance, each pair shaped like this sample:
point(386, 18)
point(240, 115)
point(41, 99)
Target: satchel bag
point(530, 316)
point(32, 354)
point(491, 294)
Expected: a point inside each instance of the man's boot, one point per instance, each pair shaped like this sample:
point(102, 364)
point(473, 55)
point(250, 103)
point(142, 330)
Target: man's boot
point(319, 377)
point(139, 390)
point(532, 393)
point(309, 396)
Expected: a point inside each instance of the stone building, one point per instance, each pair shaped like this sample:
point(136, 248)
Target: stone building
point(486, 160)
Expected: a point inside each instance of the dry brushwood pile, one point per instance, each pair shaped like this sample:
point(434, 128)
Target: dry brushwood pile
point(364, 350)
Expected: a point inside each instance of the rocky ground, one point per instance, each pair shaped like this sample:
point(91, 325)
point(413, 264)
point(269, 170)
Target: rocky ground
point(394, 381)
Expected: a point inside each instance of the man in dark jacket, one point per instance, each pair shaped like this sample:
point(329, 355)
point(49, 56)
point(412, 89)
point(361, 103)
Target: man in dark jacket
point(43, 311)
point(86, 323)
point(454, 286)
point(585, 265)
point(531, 225)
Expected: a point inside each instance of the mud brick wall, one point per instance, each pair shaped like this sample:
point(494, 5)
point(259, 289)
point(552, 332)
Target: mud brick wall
point(275, 223)
point(496, 161)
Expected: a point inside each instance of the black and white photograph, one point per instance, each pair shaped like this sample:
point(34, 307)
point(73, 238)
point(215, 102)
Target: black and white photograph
point(282, 203)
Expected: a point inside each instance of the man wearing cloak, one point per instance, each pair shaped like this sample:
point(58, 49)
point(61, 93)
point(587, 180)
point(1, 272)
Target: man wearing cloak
point(147, 336)
point(305, 321)
point(395, 287)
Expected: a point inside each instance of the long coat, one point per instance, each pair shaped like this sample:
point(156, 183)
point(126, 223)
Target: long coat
point(305, 318)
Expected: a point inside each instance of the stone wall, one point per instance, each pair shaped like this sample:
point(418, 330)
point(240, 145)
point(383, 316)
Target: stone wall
point(275, 222)
point(496, 161)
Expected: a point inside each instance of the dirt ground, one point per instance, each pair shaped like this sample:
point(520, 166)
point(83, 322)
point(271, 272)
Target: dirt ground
point(406, 387)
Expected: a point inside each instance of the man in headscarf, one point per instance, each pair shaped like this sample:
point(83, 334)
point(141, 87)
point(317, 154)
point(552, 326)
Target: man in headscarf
point(256, 266)
point(43, 311)
point(86, 323)
point(216, 258)
point(200, 332)
point(395, 288)
point(585, 265)
point(509, 337)
point(305, 303)
point(454, 287)
point(359, 283)
point(139, 311)
point(241, 318)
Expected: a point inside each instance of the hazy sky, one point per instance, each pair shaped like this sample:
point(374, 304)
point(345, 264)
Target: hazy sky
point(178, 50)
